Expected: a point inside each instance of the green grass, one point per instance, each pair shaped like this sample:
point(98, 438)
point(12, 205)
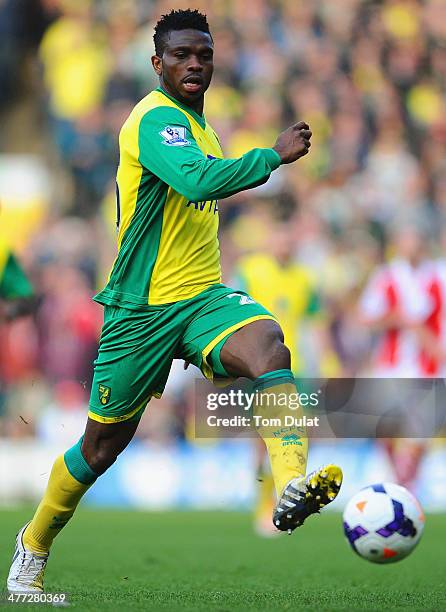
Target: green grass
point(120, 560)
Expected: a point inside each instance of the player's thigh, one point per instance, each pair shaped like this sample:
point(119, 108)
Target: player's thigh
point(226, 312)
point(134, 359)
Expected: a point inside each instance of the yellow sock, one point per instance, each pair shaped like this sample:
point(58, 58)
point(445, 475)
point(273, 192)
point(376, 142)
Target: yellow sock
point(59, 502)
point(287, 445)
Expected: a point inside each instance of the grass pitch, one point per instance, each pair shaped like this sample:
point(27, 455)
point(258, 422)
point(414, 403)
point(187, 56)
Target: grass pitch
point(128, 560)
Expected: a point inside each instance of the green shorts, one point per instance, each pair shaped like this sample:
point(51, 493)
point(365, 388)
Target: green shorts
point(137, 347)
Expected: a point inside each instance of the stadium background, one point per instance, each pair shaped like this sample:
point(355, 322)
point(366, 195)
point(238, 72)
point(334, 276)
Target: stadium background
point(370, 79)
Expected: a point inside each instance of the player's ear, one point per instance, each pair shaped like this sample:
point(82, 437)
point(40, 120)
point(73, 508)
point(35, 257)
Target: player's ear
point(157, 64)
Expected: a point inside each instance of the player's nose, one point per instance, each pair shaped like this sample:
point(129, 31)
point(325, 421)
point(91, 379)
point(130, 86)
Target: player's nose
point(194, 64)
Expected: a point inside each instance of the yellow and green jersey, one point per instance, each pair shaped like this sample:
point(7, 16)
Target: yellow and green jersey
point(286, 291)
point(13, 281)
point(171, 175)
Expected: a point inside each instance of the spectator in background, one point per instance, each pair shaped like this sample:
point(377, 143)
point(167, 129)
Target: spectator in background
point(76, 61)
point(68, 325)
point(395, 307)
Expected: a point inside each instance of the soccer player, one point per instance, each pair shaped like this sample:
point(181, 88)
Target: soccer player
point(164, 298)
point(395, 306)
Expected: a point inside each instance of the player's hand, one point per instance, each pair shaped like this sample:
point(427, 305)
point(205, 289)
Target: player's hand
point(293, 142)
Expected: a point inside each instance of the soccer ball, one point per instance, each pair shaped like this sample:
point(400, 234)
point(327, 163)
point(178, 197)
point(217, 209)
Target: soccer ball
point(383, 523)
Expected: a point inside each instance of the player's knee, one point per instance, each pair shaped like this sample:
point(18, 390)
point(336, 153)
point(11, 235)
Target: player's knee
point(101, 444)
point(273, 356)
point(99, 458)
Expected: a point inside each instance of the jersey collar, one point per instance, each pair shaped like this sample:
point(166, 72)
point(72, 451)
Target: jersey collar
point(201, 120)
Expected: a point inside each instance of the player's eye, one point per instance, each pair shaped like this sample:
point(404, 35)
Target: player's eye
point(180, 55)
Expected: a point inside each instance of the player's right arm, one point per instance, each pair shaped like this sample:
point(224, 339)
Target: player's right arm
point(183, 166)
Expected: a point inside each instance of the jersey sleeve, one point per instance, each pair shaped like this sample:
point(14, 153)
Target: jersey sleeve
point(14, 283)
point(168, 149)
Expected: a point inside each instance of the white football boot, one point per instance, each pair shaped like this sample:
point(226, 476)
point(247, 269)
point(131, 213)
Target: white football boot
point(27, 569)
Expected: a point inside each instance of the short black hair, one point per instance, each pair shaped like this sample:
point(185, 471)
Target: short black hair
point(178, 20)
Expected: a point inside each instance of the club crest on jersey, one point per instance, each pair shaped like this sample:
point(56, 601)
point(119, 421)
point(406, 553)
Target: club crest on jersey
point(174, 136)
point(104, 394)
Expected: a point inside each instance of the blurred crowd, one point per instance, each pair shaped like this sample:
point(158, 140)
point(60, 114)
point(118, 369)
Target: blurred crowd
point(370, 79)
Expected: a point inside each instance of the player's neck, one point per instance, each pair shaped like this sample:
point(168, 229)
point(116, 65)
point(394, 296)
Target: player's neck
point(197, 106)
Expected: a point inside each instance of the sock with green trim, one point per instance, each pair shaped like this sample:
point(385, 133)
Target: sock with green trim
point(287, 445)
point(70, 479)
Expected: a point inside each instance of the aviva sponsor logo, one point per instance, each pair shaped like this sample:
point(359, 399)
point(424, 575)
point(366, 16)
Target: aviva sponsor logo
point(291, 439)
point(210, 206)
